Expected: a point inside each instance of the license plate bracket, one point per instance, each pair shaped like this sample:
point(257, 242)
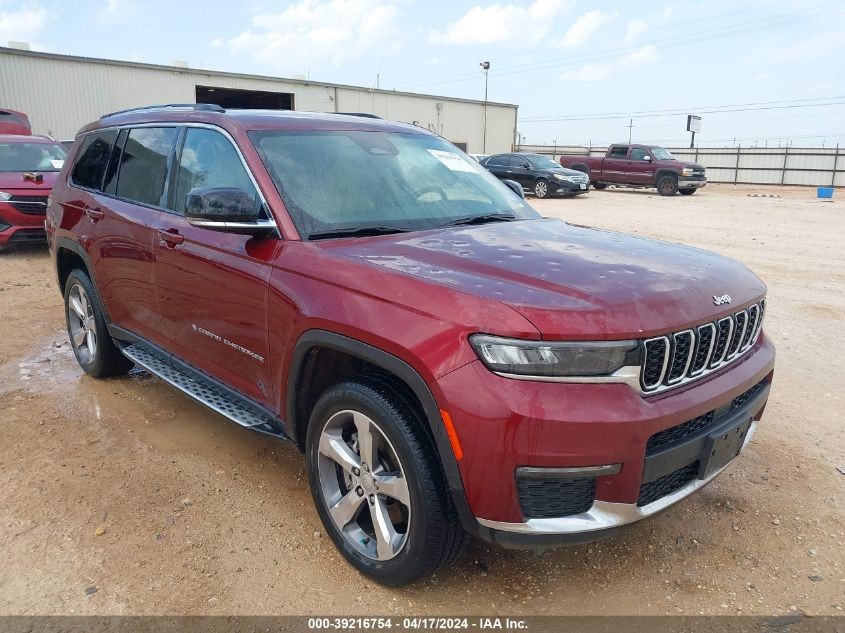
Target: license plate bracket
point(723, 446)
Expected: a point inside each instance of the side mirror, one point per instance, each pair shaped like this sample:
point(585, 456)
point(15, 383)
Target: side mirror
point(225, 209)
point(647, 157)
point(515, 187)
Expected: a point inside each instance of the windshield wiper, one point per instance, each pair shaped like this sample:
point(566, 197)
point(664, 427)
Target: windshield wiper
point(361, 231)
point(480, 219)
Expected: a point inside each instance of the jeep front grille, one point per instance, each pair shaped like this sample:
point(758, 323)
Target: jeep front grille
point(679, 357)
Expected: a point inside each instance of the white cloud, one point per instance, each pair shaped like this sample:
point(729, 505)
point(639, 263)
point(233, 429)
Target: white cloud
point(589, 72)
point(643, 55)
point(315, 31)
point(585, 26)
point(593, 72)
point(22, 25)
point(500, 22)
point(111, 6)
point(635, 27)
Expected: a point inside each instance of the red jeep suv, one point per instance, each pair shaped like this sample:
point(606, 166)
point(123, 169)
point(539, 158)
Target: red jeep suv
point(449, 361)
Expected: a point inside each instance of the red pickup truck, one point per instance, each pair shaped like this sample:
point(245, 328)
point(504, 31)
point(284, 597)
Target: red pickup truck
point(640, 166)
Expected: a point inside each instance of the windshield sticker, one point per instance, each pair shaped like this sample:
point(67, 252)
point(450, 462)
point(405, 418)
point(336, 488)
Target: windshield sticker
point(57, 164)
point(452, 161)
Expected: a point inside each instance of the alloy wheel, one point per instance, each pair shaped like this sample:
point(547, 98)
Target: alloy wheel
point(364, 485)
point(541, 189)
point(82, 325)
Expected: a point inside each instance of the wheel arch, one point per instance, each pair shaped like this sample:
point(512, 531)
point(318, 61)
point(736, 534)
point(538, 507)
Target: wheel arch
point(664, 172)
point(299, 394)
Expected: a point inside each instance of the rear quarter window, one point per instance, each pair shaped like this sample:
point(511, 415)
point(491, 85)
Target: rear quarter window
point(92, 160)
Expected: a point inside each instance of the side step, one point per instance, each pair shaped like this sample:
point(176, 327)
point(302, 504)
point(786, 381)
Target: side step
point(204, 391)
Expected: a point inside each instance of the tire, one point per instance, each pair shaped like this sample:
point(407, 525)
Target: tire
point(599, 185)
point(422, 527)
point(541, 188)
point(87, 329)
point(688, 192)
point(667, 185)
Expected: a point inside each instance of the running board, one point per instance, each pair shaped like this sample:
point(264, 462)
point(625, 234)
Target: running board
point(203, 391)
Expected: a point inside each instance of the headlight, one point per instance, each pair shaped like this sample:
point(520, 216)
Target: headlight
point(5, 196)
point(548, 359)
point(563, 177)
point(687, 171)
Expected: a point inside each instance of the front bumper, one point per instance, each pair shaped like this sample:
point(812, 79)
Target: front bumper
point(688, 183)
point(565, 188)
point(18, 228)
point(510, 423)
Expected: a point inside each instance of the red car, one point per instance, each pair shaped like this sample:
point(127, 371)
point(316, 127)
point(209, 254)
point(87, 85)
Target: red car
point(449, 361)
point(640, 166)
point(13, 122)
point(28, 168)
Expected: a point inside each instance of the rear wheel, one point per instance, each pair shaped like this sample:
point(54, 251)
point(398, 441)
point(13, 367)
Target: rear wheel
point(688, 192)
point(377, 483)
point(667, 185)
point(86, 327)
point(599, 185)
point(541, 189)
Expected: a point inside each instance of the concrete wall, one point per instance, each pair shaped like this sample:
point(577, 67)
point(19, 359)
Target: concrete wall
point(62, 93)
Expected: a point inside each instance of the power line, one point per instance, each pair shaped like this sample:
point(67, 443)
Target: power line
point(762, 24)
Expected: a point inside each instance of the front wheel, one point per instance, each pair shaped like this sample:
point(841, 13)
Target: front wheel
point(377, 483)
point(599, 185)
point(541, 189)
point(688, 192)
point(667, 186)
point(86, 327)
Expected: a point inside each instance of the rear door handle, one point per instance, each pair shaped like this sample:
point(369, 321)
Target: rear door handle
point(94, 213)
point(171, 236)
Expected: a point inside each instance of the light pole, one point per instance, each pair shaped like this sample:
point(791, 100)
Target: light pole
point(485, 66)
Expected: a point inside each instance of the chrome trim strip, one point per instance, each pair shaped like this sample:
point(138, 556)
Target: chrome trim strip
point(258, 225)
point(577, 472)
point(604, 515)
point(630, 374)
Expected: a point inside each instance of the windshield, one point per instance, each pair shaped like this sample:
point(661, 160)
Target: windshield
point(543, 162)
point(31, 157)
point(346, 180)
point(661, 154)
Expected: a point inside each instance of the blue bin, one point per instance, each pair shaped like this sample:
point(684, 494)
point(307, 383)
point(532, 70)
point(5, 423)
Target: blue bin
point(824, 192)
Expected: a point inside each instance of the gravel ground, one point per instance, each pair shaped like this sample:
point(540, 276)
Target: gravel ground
point(124, 497)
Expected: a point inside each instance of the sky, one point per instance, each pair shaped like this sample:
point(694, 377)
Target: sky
point(758, 73)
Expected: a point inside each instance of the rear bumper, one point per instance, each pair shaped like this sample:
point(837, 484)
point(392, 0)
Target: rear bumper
point(507, 424)
point(686, 183)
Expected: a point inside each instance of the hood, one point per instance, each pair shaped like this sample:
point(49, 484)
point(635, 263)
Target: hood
point(563, 170)
point(571, 282)
point(14, 180)
point(680, 164)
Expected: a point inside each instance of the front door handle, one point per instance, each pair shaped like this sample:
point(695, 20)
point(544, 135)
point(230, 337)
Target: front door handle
point(171, 236)
point(94, 213)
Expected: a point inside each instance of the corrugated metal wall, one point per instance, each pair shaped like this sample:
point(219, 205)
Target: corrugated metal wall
point(61, 94)
point(815, 166)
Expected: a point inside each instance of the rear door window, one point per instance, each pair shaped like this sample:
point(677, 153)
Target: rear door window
point(498, 161)
point(143, 165)
point(209, 159)
point(619, 151)
point(92, 160)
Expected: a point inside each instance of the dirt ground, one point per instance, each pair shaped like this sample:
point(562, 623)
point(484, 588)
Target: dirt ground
point(125, 497)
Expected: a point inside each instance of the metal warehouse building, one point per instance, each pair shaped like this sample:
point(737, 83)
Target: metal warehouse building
point(61, 93)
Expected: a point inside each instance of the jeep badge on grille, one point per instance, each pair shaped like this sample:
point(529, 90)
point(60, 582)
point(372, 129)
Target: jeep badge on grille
point(722, 299)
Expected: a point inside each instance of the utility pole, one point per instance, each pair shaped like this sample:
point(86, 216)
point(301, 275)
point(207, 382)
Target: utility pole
point(630, 129)
point(485, 66)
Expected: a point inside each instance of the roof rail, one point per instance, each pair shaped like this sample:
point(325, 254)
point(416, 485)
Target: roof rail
point(366, 115)
point(201, 107)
